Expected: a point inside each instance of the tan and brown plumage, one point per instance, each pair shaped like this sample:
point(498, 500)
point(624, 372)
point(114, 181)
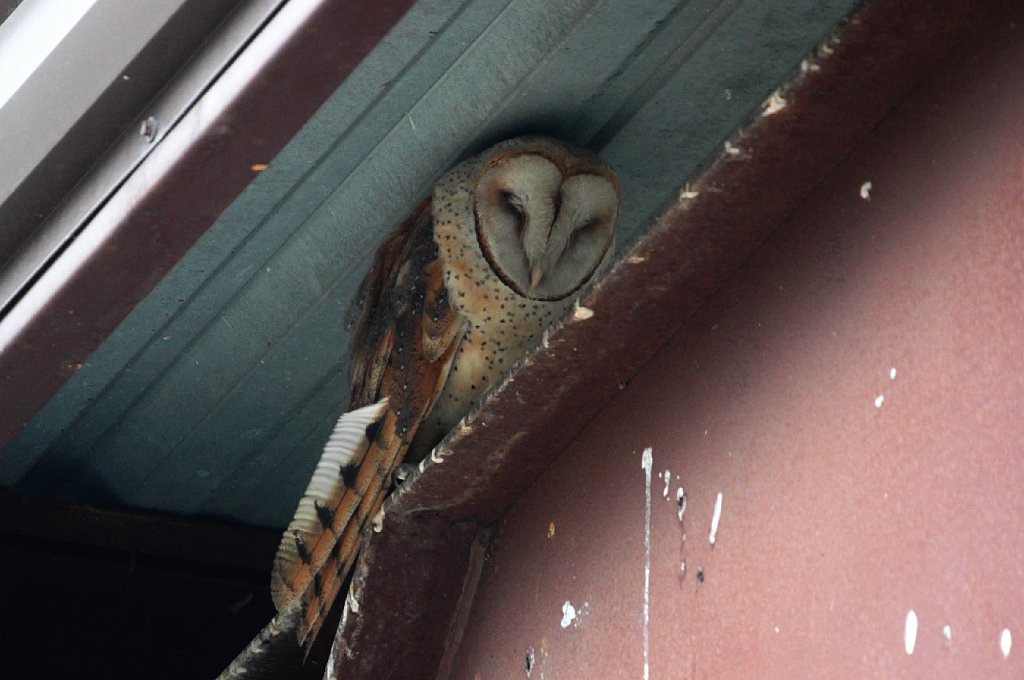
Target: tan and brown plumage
point(456, 295)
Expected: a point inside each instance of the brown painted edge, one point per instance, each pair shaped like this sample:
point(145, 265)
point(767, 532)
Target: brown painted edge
point(842, 91)
point(209, 172)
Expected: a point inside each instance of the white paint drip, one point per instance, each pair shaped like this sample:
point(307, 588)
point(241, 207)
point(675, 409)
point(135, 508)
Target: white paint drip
point(865, 191)
point(879, 400)
point(892, 373)
point(910, 632)
point(1005, 642)
point(647, 463)
point(668, 480)
point(681, 502)
point(568, 614)
point(715, 518)
point(947, 634)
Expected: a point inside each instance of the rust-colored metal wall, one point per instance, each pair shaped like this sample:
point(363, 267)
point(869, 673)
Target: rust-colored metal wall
point(855, 394)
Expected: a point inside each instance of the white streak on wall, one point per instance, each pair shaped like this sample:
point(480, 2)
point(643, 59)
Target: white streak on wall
point(715, 518)
point(910, 632)
point(647, 463)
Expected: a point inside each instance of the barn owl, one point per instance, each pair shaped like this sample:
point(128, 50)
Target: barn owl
point(456, 295)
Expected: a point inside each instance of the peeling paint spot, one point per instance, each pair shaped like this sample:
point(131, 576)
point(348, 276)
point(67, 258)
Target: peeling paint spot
point(352, 603)
point(531, 660)
point(682, 569)
point(544, 339)
point(775, 103)
point(636, 259)
point(581, 614)
point(647, 463)
point(1005, 642)
point(551, 530)
point(435, 458)
point(865, 191)
point(681, 502)
point(715, 518)
point(879, 400)
point(947, 634)
point(568, 614)
point(687, 193)
point(581, 313)
point(731, 149)
point(378, 521)
point(667, 476)
point(910, 632)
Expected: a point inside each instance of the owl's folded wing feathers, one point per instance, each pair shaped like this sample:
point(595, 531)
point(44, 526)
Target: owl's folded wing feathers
point(404, 341)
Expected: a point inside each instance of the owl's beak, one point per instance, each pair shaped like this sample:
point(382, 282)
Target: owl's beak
point(536, 275)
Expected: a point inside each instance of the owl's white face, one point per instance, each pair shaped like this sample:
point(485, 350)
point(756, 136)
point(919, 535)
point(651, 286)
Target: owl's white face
point(545, 216)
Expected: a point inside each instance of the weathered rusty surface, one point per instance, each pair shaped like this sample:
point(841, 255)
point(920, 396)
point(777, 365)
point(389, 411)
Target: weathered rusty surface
point(854, 392)
point(433, 557)
point(825, 111)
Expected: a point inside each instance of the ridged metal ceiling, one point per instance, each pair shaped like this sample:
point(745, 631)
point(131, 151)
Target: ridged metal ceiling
point(215, 395)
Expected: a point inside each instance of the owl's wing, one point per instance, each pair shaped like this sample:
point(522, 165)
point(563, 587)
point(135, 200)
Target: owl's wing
point(405, 339)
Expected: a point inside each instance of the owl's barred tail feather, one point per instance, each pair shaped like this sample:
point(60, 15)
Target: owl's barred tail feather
point(321, 542)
